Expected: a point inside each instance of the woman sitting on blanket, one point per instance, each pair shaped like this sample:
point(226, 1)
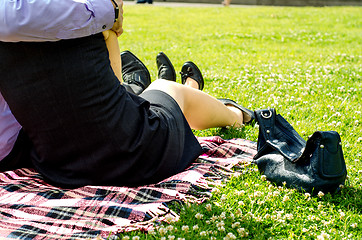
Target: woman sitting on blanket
point(86, 129)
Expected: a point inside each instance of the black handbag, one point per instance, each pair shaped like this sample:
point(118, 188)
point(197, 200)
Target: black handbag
point(284, 157)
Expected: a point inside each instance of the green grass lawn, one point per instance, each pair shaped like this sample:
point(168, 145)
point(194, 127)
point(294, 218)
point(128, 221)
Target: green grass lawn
point(306, 63)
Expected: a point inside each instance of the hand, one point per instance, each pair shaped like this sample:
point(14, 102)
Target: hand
point(118, 25)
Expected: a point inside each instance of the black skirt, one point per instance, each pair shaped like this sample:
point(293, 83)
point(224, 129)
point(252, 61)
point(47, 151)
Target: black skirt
point(85, 127)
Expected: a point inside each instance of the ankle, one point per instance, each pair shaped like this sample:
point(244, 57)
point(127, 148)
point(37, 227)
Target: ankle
point(238, 116)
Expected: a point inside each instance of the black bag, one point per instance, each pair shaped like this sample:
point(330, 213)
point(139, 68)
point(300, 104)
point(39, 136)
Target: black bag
point(285, 157)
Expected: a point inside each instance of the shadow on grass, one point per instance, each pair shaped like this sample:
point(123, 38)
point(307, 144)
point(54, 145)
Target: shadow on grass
point(348, 199)
point(247, 132)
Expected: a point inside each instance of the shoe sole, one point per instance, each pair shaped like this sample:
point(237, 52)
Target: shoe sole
point(148, 73)
point(169, 62)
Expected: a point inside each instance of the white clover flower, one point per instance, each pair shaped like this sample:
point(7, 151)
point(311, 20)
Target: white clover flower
point(170, 219)
point(342, 214)
point(221, 229)
point(354, 225)
point(203, 234)
point(359, 139)
point(162, 230)
point(240, 193)
point(323, 236)
point(320, 206)
point(286, 198)
point(235, 224)
point(223, 197)
point(195, 227)
point(136, 238)
point(276, 193)
point(208, 207)
point(151, 232)
point(185, 228)
point(171, 237)
point(242, 232)
point(304, 230)
point(267, 216)
point(239, 213)
point(126, 238)
point(223, 215)
point(326, 223)
point(163, 238)
point(257, 194)
point(169, 228)
point(214, 218)
point(263, 177)
point(289, 216)
point(320, 194)
point(230, 236)
point(220, 224)
point(199, 216)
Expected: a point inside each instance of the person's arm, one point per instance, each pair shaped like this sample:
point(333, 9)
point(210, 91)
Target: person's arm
point(52, 20)
point(114, 53)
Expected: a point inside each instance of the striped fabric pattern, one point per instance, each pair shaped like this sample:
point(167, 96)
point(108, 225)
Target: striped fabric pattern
point(32, 209)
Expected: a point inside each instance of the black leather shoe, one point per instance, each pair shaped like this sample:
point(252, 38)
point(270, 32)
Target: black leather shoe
point(134, 71)
point(246, 112)
point(189, 69)
point(165, 68)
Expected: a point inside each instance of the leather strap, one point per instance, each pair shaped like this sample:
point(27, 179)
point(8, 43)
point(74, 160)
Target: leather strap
point(276, 133)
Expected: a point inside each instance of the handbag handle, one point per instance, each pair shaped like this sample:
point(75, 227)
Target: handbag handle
point(276, 133)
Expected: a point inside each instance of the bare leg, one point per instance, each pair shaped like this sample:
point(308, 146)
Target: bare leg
point(201, 110)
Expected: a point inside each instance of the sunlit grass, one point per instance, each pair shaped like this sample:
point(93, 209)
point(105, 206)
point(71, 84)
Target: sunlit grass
point(306, 63)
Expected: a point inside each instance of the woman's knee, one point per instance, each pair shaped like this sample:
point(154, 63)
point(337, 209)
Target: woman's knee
point(173, 89)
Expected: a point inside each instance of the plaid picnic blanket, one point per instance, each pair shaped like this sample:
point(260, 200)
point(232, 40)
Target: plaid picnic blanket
point(32, 209)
